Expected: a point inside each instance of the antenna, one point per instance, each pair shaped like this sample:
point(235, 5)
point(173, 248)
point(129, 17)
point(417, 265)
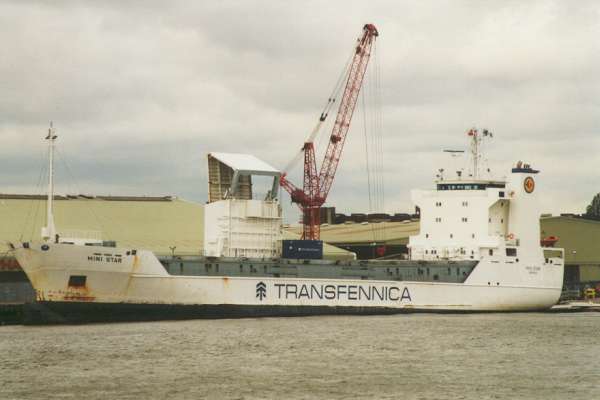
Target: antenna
point(441, 174)
point(454, 151)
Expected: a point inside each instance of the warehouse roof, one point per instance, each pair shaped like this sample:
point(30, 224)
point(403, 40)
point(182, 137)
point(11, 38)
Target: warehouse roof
point(154, 223)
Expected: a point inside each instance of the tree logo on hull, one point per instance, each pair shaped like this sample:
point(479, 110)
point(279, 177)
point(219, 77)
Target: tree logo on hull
point(261, 290)
point(529, 184)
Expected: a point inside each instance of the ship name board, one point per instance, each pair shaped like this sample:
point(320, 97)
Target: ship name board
point(341, 292)
point(108, 258)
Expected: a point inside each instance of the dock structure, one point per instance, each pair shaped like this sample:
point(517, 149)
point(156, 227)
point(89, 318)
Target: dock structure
point(577, 306)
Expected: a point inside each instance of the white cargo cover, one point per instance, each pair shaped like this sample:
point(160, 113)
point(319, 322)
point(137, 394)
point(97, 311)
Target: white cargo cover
point(246, 164)
point(230, 176)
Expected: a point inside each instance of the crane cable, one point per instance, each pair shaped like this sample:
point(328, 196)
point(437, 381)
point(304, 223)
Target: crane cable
point(365, 130)
point(373, 127)
point(324, 112)
point(38, 189)
point(379, 135)
point(72, 180)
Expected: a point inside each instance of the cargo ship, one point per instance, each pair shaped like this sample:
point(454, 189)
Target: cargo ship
point(478, 250)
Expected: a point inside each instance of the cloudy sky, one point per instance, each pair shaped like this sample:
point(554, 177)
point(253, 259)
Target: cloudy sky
point(139, 92)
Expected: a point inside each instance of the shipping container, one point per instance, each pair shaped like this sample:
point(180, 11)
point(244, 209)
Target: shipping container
point(358, 217)
point(302, 249)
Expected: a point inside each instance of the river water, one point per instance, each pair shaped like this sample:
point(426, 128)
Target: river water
point(487, 356)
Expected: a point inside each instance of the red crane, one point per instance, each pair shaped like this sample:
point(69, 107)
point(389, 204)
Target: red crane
point(316, 186)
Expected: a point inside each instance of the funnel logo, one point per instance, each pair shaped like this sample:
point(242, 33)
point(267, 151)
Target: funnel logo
point(261, 290)
point(529, 184)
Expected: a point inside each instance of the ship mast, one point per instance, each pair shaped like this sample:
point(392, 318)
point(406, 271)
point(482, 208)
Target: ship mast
point(49, 231)
point(476, 140)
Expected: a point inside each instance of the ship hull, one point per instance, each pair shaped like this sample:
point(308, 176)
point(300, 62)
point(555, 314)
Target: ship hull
point(81, 284)
point(56, 312)
point(80, 313)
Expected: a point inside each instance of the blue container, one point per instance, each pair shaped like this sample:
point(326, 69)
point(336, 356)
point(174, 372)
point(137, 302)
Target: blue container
point(302, 249)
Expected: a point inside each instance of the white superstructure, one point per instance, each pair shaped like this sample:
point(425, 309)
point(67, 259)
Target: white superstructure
point(235, 223)
point(493, 221)
point(242, 228)
point(471, 219)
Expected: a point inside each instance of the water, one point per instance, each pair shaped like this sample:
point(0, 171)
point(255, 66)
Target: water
point(495, 356)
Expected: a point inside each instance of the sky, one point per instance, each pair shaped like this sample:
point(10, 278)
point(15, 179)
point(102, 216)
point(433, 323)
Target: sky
point(140, 91)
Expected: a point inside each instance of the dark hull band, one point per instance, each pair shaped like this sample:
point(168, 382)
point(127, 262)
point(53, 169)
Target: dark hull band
point(42, 313)
point(80, 312)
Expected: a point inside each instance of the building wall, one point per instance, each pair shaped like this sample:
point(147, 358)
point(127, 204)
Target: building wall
point(589, 273)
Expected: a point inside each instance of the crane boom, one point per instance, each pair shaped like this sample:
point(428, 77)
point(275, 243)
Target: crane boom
point(315, 187)
point(346, 110)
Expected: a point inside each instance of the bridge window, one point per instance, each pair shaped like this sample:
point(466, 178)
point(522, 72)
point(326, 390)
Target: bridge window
point(511, 252)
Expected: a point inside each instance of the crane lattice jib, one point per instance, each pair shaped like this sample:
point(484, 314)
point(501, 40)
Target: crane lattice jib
point(344, 116)
point(315, 187)
point(310, 209)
